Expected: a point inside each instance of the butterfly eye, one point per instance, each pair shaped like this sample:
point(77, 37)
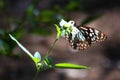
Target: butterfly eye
point(72, 23)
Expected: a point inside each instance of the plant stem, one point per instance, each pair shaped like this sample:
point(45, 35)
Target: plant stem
point(36, 75)
point(52, 46)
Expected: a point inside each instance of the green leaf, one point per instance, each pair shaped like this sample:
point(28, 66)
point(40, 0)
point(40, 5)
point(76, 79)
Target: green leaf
point(48, 61)
point(2, 4)
point(18, 33)
point(29, 10)
point(37, 57)
point(58, 31)
point(2, 32)
point(4, 48)
point(47, 15)
point(41, 31)
point(22, 47)
point(72, 5)
point(70, 66)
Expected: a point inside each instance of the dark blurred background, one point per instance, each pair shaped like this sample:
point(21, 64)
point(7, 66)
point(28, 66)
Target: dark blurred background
point(32, 23)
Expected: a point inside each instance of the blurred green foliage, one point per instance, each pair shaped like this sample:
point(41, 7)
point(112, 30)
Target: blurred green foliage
point(89, 19)
point(18, 17)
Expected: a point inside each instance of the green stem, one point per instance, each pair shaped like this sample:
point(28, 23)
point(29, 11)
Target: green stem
point(48, 53)
point(52, 46)
point(36, 75)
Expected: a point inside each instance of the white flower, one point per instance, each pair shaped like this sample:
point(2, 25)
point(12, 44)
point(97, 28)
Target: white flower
point(68, 27)
point(65, 24)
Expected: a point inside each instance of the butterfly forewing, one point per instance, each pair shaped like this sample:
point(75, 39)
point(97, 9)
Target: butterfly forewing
point(90, 35)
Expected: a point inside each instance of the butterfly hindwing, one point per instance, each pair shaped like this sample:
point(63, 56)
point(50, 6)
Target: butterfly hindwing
point(77, 43)
point(80, 45)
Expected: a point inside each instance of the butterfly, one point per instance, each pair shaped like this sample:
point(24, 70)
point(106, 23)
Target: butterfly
point(82, 37)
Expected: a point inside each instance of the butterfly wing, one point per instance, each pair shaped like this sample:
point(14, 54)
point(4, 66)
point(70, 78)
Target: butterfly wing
point(92, 35)
point(86, 37)
point(78, 43)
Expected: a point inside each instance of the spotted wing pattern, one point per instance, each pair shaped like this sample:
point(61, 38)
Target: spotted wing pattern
point(88, 37)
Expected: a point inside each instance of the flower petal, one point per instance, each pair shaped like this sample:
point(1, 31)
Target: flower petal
point(63, 22)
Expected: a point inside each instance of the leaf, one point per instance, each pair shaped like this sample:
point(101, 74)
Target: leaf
point(18, 33)
point(2, 32)
point(72, 5)
point(47, 15)
point(70, 66)
point(2, 4)
point(22, 47)
point(48, 61)
point(41, 31)
point(4, 48)
point(58, 31)
point(29, 10)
